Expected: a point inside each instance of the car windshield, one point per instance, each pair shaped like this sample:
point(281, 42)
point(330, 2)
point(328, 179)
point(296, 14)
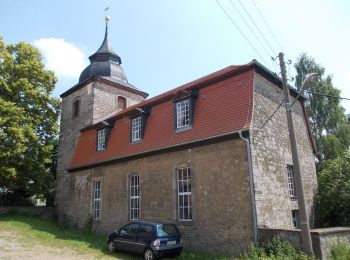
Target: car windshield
point(166, 230)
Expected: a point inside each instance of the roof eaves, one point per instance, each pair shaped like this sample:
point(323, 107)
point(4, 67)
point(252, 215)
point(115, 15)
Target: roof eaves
point(216, 138)
point(101, 79)
point(273, 75)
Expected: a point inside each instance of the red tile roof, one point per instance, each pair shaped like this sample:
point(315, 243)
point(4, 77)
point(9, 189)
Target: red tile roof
point(224, 105)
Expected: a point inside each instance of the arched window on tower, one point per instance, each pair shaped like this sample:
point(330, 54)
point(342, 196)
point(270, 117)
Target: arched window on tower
point(121, 103)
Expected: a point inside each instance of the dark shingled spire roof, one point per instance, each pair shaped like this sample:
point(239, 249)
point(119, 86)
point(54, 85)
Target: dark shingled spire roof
point(105, 52)
point(106, 63)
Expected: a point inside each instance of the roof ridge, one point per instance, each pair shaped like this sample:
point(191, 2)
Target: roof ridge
point(174, 91)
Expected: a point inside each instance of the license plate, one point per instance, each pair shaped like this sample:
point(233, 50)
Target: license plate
point(172, 242)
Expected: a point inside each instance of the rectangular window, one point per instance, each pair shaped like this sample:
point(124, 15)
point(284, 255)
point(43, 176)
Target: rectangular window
point(184, 194)
point(183, 113)
point(96, 207)
point(295, 218)
point(134, 187)
point(76, 106)
point(136, 129)
point(101, 139)
point(291, 182)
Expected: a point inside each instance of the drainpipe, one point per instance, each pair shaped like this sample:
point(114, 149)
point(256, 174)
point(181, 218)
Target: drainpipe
point(252, 188)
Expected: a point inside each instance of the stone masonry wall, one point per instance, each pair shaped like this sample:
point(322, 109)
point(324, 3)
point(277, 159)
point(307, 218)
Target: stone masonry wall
point(96, 100)
point(105, 99)
point(68, 138)
point(271, 153)
point(322, 239)
point(222, 218)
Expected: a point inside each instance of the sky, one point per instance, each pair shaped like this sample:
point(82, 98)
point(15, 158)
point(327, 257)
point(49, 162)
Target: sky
point(164, 44)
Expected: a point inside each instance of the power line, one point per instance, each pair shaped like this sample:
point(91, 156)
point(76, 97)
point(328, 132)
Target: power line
point(262, 17)
point(237, 27)
point(325, 95)
point(252, 31)
point(257, 27)
point(272, 114)
point(314, 93)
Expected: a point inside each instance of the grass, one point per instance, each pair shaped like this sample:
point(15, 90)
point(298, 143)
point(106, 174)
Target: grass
point(46, 232)
point(340, 251)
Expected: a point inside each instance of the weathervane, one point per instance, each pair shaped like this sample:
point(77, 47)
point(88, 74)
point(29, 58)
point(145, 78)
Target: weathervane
point(106, 16)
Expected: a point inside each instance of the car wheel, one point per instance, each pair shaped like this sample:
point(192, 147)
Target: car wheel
point(111, 246)
point(149, 255)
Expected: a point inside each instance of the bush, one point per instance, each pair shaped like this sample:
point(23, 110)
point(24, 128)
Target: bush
point(340, 251)
point(274, 249)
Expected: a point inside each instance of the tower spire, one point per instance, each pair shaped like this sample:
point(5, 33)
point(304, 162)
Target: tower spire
point(107, 20)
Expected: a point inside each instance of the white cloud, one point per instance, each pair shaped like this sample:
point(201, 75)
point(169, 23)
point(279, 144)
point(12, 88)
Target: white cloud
point(64, 58)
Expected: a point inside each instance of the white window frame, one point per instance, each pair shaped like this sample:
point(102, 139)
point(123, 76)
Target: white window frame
point(134, 197)
point(183, 114)
point(184, 193)
point(96, 198)
point(101, 139)
point(291, 182)
point(295, 219)
point(136, 127)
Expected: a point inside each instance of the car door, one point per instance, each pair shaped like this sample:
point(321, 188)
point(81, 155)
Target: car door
point(126, 240)
point(145, 236)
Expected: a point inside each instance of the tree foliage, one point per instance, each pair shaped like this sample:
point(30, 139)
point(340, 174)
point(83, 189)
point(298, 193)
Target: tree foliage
point(327, 117)
point(334, 192)
point(28, 121)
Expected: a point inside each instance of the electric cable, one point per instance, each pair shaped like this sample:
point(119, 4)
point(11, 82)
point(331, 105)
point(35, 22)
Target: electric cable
point(262, 17)
point(257, 27)
point(325, 95)
point(261, 127)
point(237, 27)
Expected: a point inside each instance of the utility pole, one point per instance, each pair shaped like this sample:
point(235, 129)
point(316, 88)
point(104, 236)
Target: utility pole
point(304, 220)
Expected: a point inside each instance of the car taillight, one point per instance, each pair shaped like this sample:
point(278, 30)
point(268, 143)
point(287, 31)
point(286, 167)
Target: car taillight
point(156, 242)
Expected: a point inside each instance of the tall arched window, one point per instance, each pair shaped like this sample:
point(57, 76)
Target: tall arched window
point(121, 103)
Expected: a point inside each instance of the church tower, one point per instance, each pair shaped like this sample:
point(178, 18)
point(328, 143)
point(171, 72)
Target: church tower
point(102, 90)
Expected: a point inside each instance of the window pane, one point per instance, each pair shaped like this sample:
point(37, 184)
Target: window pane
point(134, 203)
point(136, 129)
point(184, 194)
point(183, 113)
point(101, 139)
point(96, 199)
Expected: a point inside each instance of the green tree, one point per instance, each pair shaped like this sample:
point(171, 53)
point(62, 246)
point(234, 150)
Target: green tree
point(28, 121)
point(334, 192)
point(326, 115)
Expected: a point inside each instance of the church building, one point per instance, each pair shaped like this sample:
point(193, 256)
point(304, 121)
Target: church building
point(204, 155)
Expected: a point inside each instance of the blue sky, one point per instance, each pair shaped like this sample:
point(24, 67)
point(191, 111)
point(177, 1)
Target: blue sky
point(164, 44)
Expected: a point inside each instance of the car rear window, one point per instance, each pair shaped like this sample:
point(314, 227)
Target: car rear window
point(166, 230)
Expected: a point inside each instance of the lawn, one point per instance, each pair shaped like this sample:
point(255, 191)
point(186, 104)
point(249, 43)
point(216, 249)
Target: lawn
point(32, 237)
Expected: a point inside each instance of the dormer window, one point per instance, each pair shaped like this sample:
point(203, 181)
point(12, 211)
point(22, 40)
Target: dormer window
point(138, 123)
point(136, 128)
point(76, 107)
point(101, 139)
point(183, 113)
point(184, 103)
point(121, 102)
